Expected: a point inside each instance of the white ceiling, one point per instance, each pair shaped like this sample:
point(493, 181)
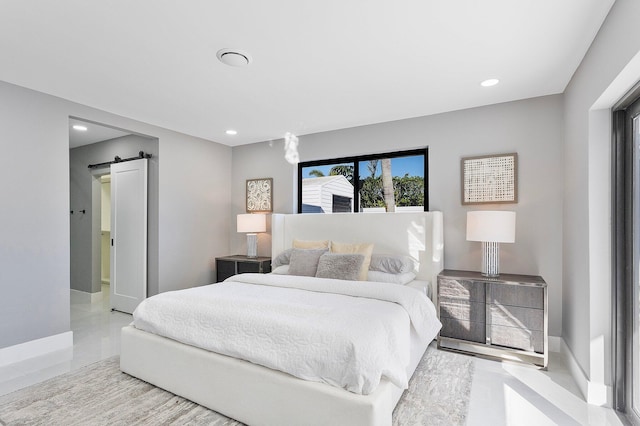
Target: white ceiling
point(317, 65)
point(94, 133)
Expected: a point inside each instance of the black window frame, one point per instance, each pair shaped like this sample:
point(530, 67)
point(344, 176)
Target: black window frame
point(356, 172)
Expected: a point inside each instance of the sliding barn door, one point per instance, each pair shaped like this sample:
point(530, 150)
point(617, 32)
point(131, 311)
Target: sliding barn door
point(128, 234)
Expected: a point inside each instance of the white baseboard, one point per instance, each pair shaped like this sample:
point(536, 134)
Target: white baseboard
point(594, 393)
point(78, 296)
point(34, 348)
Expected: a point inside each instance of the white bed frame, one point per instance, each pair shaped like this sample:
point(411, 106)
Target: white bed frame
point(257, 395)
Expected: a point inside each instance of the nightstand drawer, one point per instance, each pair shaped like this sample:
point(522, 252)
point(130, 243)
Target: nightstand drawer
point(529, 297)
point(461, 290)
point(515, 316)
point(463, 330)
point(248, 267)
point(463, 310)
point(517, 338)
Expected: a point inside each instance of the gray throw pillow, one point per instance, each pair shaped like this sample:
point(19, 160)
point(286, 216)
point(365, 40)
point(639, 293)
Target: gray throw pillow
point(305, 261)
point(282, 259)
point(340, 266)
point(391, 263)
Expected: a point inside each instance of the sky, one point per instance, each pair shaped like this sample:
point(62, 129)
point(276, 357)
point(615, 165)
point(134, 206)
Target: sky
point(399, 167)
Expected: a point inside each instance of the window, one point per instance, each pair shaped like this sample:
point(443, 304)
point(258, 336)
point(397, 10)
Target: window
point(392, 181)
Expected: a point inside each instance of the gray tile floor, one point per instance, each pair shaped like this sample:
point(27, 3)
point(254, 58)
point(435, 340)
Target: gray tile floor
point(96, 336)
point(501, 394)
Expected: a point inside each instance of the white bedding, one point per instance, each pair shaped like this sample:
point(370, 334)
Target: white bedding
point(347, 334)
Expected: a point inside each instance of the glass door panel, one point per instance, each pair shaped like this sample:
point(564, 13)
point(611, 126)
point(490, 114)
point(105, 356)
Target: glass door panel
point(634, 377)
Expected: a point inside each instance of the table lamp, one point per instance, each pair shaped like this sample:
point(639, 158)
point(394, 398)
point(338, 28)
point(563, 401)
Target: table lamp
point(491, 228)
point(252, 224)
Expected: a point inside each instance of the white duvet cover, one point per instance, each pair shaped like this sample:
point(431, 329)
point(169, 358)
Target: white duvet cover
point(345, 333)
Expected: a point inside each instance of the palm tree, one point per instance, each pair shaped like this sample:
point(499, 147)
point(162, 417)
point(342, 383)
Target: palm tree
point(316, 173)
point(372, 165)
point(387, 185)
point(344, 170)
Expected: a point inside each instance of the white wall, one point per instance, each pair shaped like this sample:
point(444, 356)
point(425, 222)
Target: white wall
point(193, 223)
point(532, 128)
point(105, 206)
point(609, 69)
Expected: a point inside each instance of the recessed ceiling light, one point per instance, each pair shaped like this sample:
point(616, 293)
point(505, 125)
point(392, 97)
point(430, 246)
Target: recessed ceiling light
point(490, 82)
point(79, 128)
point(231, 132)
point(234, 57)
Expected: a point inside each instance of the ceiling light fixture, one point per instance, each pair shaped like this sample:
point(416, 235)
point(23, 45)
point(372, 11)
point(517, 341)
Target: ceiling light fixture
point(490, 82)
point(234, 57)
point(291, 148)
point(79, 128)
point(231, 132)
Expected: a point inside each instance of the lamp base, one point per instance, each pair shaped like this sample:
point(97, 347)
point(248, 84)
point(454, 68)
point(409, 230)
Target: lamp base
point(252, 245)
point(490, 259)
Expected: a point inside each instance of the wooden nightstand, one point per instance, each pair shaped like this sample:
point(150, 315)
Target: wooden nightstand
point(503, 318)
point(239, 264)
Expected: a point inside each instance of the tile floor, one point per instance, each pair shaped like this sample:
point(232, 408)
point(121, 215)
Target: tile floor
point(501, 394)
point(96, 336)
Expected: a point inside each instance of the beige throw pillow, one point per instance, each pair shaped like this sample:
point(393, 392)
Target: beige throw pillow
point(302, 244)
point(365, 249)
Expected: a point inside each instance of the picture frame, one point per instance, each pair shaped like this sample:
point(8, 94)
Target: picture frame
point(489, 179)
point(259, 195)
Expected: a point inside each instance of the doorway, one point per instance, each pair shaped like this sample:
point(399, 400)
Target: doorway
point(105, 231)
point(91, 231)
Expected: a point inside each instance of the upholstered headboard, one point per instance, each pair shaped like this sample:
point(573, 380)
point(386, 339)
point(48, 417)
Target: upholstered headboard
point(418, 235)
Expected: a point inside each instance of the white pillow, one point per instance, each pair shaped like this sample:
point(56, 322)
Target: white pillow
point(384, 277)
point(281, 270)
point(421, 286)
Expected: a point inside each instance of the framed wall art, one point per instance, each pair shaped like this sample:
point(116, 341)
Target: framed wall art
point(260, 195)
point(490, 179)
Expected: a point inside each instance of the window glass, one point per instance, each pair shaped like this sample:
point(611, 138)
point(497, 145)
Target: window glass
point(327, 188)
point(392, 184)
point(369, 183)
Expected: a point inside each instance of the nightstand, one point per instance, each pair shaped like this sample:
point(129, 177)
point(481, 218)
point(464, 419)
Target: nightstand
point(504, 318)
point(239, 264)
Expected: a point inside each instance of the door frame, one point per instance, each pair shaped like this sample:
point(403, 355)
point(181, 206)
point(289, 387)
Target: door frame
point(96, 228)
point(623, 272)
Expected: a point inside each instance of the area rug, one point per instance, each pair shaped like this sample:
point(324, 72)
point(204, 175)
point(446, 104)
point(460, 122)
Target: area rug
point(100, 394)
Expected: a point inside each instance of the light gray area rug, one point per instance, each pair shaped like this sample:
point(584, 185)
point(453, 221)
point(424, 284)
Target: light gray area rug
point(100, 394)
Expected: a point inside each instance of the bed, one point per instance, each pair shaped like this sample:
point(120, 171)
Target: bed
point(257, 395)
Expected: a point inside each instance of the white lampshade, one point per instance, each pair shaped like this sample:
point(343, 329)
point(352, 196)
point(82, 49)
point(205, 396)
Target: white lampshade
point(252, 223)
point(491, 226)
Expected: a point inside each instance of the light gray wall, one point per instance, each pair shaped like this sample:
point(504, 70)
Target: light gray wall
point(85, 264)
point(533, 128)
point(34, 217)
point(195, 193)
point(193, 209)
point(605, 70)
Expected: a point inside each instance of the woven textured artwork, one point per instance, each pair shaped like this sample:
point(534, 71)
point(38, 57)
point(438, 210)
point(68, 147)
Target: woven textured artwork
point(490, 179)
point(259, 195)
